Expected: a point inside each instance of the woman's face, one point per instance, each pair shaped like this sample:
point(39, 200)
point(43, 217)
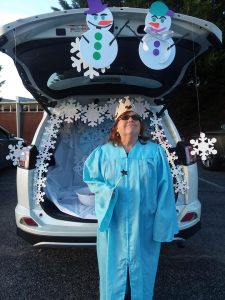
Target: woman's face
point(128, 126)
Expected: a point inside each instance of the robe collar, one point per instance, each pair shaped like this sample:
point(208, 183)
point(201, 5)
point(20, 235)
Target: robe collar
point(131, 154)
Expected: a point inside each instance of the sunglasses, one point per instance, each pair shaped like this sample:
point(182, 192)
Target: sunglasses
point(127, 117)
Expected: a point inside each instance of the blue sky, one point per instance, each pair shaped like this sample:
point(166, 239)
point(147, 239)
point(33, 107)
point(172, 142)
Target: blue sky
point(11, 10)
point(27, 7)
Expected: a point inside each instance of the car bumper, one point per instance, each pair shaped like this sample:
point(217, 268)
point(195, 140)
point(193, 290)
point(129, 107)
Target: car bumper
point(42, 241)
point(187, 233)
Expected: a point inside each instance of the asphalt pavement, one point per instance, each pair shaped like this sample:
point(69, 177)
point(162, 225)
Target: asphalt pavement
point(195, 272)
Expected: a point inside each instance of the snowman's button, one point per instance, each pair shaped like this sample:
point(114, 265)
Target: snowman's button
point(98, 36)
point(96, 55)
point(157, 44)
point(98, 46)
point(156, 52)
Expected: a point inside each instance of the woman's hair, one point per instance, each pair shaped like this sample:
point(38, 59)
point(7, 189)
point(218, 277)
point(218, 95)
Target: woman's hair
point(115, 139)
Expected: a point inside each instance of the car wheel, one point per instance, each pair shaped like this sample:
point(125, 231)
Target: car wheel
point(211, 163)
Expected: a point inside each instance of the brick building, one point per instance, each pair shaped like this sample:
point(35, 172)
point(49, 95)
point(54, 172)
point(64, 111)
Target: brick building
point(21, 117)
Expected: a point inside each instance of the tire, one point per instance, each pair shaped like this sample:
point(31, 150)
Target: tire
point(211, 163)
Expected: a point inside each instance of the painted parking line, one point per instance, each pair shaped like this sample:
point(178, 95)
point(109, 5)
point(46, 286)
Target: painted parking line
point(212, 183)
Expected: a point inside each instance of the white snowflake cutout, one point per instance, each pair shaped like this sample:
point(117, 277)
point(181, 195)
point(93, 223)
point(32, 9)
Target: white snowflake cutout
point(172, 157)
point(181, 187)
point(176, 171)
point(111, 108)
point(93, 114)
point(80, 65)
point(158, 135)
point(40, 182)
point(69, 111)
point(77, 61)
point(91, 72)
point(203, 146)
point(40, 196)
point(15, 152)
point(155, 121)
point(142, 107)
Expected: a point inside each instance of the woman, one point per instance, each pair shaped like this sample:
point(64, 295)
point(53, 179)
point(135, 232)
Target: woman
point(135, 207)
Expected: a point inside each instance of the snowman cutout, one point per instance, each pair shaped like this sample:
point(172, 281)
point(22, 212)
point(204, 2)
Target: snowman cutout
point(156, 49)
point(98, 46)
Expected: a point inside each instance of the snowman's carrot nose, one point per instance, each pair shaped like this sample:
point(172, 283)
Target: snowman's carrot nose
point(154, 24)
point(104, 22)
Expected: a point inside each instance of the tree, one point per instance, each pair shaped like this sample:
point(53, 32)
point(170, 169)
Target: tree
point(83, 3)
point(65, 5)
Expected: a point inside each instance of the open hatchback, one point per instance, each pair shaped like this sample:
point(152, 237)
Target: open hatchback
point(79, 113)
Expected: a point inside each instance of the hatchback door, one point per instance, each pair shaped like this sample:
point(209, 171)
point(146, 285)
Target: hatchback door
point(40, 47)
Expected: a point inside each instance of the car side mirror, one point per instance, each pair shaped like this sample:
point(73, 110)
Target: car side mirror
point(223, 126)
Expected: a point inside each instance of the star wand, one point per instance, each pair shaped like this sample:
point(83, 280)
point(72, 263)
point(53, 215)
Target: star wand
point(123, 173)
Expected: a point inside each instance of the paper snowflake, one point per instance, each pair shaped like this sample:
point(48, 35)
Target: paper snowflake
point(79, 64)
point(69, 111)
point(176, 171)
point(40, 196)
point(172, 157)
point(203, 146)
point(142, 107)
point(110, 108)
point(154, 121)
point(47, 143)
point(40, 182)
point(158, 135)
point(15, 152)
point(181, 187)
point(93, 114)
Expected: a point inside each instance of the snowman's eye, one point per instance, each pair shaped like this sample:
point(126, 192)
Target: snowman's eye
point(103, 17)
point(95, 17)
point(162, 20)
point(153, 19)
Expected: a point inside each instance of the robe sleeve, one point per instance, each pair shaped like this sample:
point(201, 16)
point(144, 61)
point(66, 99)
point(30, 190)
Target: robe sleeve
point(105, 195)
point(165, 221)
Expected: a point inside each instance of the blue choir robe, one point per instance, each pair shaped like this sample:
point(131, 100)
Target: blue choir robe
point(133, 218)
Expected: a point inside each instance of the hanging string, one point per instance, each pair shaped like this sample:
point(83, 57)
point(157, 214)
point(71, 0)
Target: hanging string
point(196, 81)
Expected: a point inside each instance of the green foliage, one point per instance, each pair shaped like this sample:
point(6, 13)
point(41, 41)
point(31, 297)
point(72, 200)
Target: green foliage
point(65, 5)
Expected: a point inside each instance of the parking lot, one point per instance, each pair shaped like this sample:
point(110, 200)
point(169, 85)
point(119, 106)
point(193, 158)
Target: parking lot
point(194, 272)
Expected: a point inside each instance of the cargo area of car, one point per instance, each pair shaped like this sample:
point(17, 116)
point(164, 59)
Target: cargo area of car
point(74, 142)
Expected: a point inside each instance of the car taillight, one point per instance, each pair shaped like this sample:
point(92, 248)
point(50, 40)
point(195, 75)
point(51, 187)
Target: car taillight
point(27, 157)
point(24, 158)
point(184, 154)
point(190, 158)
point(189, 217)
point(28, 221)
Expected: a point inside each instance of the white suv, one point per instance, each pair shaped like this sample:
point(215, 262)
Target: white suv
point(79, 113)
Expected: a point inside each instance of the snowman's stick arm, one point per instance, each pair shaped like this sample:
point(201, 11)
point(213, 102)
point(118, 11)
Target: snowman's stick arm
point(85, 39)
point(134, 33)
point(178, 41)
point(118, 32)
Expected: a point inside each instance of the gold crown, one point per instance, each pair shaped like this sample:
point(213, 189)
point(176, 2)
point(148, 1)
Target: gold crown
point(124, 105)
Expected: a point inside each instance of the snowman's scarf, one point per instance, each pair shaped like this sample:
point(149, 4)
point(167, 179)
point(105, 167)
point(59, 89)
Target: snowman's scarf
point(159, 36)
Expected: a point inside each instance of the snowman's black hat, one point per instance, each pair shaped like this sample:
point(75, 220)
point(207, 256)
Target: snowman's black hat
point(95, 6)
